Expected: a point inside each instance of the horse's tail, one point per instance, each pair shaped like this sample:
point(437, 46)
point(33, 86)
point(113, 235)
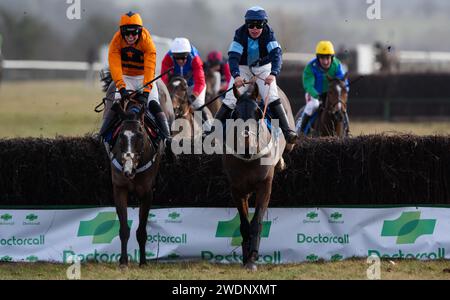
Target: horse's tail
point(105, 78)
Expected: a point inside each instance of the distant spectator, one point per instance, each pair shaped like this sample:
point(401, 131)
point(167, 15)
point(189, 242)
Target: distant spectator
point(347, 58)
point(217, 63)
point(385, 58)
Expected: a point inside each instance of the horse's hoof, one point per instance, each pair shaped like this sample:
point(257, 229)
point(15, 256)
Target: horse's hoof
point(250, 266)
point(123, 267)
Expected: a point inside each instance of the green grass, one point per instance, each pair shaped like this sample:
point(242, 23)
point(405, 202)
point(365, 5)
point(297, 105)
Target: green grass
point(348, 269)
point(391, 128)
point(50, 108)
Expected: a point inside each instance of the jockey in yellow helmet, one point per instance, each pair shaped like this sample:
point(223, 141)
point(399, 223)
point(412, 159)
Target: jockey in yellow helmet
point(315, 81)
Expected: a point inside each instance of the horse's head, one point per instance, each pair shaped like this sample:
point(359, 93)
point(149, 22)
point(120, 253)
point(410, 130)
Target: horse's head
point(247, 115)
point(178, 90)
point(212, 79)
point(132, 142)
point(246, 106)
point(336, 102)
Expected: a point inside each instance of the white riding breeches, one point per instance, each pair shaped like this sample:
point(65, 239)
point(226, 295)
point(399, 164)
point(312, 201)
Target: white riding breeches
point(200, 100)
point(312, 104)
point(246, 74)
point(135, 82)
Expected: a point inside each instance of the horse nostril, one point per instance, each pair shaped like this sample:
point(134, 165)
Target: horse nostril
point(129, 174)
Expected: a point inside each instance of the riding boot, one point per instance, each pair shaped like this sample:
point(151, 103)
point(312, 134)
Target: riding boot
point(108, 122)
point(305, 120)
point(163, 124)
point(204, 115)
point(278, 112)
point(207, 123)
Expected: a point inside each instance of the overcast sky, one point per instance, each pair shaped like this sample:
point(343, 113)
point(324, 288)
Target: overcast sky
point(299, 24)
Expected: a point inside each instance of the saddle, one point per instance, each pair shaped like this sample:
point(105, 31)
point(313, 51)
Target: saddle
point(150, 127)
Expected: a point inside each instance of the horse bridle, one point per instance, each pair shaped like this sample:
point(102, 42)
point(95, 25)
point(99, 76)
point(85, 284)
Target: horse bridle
point(247, 133)
point(180, 113)
point(335, 113)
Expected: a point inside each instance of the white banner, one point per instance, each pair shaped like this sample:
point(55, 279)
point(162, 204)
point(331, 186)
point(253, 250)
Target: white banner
point(212, 234)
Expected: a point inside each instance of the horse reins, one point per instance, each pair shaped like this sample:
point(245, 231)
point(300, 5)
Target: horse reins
point(103, 102)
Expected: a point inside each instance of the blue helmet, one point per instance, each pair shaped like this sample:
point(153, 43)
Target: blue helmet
point(256, 13)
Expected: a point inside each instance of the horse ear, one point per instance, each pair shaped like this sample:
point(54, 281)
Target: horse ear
point(117, 108)
point(236, 93)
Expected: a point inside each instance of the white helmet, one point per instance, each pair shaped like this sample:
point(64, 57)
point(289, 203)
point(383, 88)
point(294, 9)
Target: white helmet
point(180, 45)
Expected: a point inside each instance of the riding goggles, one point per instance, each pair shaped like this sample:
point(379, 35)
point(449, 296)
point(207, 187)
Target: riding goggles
point(255, 24)
point(130, 31)
point(324, 56)
point(180, 56)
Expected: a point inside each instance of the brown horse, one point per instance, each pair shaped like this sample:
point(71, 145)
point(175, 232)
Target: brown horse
point(212, 79)
point(331, 112)
point(251, 171)
point(179, 93)
point(165, 101)
point(135, 161)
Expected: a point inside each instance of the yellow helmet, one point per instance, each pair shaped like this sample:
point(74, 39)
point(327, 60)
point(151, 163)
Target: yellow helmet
point(131, 19)
point(324, 48)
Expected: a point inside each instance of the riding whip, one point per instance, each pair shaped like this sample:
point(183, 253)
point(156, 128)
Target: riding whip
point(97, 108)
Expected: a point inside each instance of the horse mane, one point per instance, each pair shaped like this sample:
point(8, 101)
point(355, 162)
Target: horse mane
point(182, 80)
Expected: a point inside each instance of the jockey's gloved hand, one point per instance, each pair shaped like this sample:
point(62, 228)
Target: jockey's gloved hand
point(143, 97)
point(191, 99)
point(124, 94)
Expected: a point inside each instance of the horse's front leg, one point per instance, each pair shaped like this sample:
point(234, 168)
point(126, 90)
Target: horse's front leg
point(121, 199)
point(141, 232)
point(262, 201)
point(241, 200)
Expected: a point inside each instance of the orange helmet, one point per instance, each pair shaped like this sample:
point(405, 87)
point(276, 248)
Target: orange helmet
point(131, 18)
point(130, 23)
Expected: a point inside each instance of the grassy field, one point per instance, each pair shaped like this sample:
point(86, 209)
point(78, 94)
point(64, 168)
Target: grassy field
point(50, 108)
point(348, 269)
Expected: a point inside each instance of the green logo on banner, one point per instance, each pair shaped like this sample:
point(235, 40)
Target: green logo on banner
point(336, 216)
point(231, 229)
point(337, 257)
point(408, 227)
point(6, 258)
point(31, 217)
point(173, 256)
point(32, 258)
point(6, 217)
point(174, 215)
point(312, 257)
point(312, 215)
point(104, 227)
